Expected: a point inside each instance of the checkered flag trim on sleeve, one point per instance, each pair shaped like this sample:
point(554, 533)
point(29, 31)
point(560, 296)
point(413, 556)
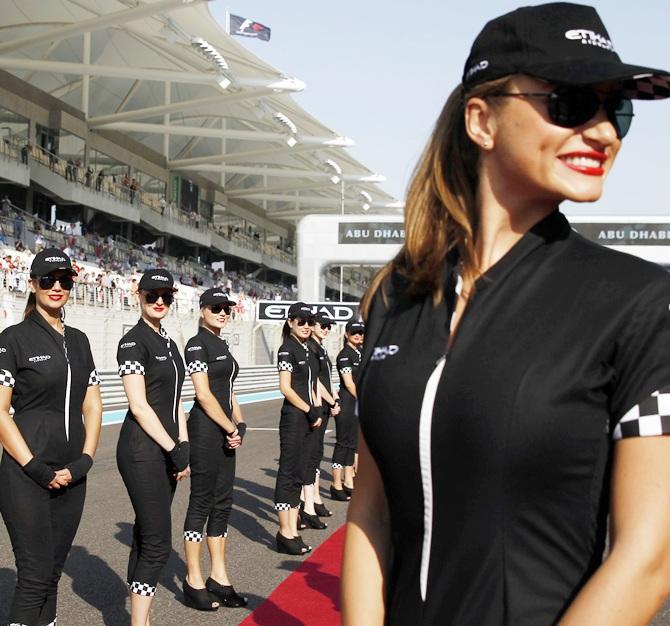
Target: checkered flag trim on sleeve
point(648, 88)
point(282, 506)
point(93, 378)
point(131, 367)
point(338, 466)
point(649, 418)
point(142, 589)
point(193, 535)
point(6, 378)
point(345, 370)
point(284, 366)
point(196, 366)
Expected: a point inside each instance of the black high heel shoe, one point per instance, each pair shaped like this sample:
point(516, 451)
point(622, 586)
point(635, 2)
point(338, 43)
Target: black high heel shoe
point(339, 494)
point(293, 546)
point(322, 511)
point(303, 544)
point(312, 521)
point(226, 594)
point(199, 599)
point(348, 490)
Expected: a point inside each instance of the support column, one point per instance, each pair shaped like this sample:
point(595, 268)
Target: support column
point(86, 78)
point(166, 119)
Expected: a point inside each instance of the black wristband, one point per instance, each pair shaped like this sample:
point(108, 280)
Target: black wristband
point(40, 472)
point(186, 449)
point(179, 458)
point(242, 429)
point(314, 414)
point(80, 467)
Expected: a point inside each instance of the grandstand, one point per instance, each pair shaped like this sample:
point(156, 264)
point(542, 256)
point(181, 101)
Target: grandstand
point(138, 133)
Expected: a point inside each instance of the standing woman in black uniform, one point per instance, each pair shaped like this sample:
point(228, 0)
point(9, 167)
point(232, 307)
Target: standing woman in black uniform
point(301, 411)
point(331, 407)
point(520, 371)
point(344, 455)
point(153, 449)
point(215, 430)
point(47, 375)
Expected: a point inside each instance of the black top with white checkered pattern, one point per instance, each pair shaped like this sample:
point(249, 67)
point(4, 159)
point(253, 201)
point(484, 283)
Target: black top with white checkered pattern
point(294, 356)
point(563, 347)
point(209, 353)
point(33, 362)
point(348, 362)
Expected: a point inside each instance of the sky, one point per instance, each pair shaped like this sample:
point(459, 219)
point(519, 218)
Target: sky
point(379, 71)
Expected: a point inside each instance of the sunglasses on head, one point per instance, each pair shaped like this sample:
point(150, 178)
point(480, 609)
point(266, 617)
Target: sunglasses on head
point(48, 281)
point(152, 298)
point(217, 308)
point(570, 107)
point(302, 322)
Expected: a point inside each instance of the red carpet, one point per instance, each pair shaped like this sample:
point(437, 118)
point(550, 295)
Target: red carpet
point(310, 596)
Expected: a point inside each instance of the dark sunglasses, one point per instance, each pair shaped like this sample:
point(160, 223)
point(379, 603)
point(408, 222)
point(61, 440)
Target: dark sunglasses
point(217, 308)
point(570, 107)
point(325, 326)
point(301, 322)
point(48, 281)
point(357, 332)
point(152, 298)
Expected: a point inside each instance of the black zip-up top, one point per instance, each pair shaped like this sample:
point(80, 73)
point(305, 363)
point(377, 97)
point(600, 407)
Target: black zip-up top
point(348, 362)
point(50, 374)
point(210, 354)
point(325, 365)
point(144, 351)
point(294, 357)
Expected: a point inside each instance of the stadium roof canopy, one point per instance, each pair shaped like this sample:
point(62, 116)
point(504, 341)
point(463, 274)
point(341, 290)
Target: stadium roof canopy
point(165, 73)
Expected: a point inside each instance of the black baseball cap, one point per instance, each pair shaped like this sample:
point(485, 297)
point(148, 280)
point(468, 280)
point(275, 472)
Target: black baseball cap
point(300, 309)
point(156, 279)
point(562, 43)
point(215, 295)
point(322, 318)
point(50, 260)
point(354, 326)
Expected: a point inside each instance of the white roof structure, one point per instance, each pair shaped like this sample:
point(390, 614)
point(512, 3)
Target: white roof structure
point(165, 73)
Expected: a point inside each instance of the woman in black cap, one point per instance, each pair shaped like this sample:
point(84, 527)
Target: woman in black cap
point(519, 371)
point(215, 430)
point(331, 407)
point(344, 455)
point(301, 411)
point(48, 377)
point(153, 449)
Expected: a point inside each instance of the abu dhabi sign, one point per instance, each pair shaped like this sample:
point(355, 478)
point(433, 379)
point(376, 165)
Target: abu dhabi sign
point(277, 310)
point(371, 232)
point(624, 234)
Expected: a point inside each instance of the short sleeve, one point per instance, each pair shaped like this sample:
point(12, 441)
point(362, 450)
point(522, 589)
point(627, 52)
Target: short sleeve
point(640, 402)
point(196, 356)
point(285, 360)
point(131, 357)
point(344, 365)
point(93, 377)
point(7, 362)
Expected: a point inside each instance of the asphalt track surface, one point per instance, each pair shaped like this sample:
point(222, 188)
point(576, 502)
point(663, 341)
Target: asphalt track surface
point(93, 589)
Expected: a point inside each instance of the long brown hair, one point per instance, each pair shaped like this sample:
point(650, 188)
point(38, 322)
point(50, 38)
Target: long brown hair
point(31, 306)
point(440, 212)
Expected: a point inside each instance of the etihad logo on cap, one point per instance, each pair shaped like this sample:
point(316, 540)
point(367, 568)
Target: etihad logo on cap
point(128, 344)
point(589, 38)
point(218, 293)
point(482, 65)
point(55, 259)
point(159, 277)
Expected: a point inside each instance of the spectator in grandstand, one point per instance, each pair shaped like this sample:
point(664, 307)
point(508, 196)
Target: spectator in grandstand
point(215, 429)
point(88, 176)
point(301, 412)
point(331, 407)
point(520, 371)
point(344, 455)
point(99, 179)
point(162, 204)
point(48, 377)
point(19, 223)
point(153, 448)
point(6, 205)
point(25, 153)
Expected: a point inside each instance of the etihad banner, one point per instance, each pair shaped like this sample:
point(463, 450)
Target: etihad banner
point(372, 232)
point(620, 234)
point(277, 310)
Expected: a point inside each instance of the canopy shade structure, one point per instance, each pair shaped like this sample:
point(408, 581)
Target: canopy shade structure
point(166, 74)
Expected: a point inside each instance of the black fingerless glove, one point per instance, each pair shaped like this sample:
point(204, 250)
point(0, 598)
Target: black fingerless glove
point(242, 430)
point(179, 456)
point(186, 447)
point(80, 467)
point(40, 472)
point(314, 414)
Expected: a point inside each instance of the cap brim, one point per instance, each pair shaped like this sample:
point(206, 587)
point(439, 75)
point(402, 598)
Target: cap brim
point(639, 83)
